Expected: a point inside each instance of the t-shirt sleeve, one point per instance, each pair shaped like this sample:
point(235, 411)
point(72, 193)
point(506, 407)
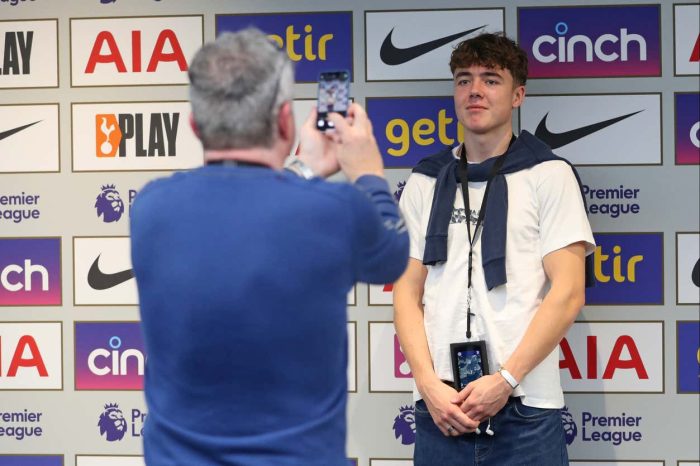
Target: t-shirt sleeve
point(411, 204)
point(563, 219)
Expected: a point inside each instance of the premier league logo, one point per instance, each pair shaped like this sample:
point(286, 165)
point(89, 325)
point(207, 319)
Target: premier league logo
point(405, 425)
point(570, 429)
point(112, 422)
point(399, 190)
point(109, 204)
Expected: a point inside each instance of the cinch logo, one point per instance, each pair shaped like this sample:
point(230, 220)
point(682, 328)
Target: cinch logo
point(688, 356)
point(113, 132)
point(133, 51)
point(30, 271)
point(113, 425)
point(29, 54)
point(408, 129)
point(31, 356)
point(34, 460)
point(614, 430)
point(315, 41)
point(628, 269)
point(566, 42)
point(401, 368)
point(18, 207)
point(405, 425)
point(611, 201)
point(607, 357)
point(109, 356)
point(20, 425)
point(687, 128)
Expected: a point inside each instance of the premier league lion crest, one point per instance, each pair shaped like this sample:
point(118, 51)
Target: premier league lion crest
point(570, 429)
point(112, 422)
point(109, 204)
point(405, 425)
point(399, 190)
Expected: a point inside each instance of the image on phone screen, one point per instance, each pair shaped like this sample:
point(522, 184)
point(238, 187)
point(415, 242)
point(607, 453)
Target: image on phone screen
point(333, 96)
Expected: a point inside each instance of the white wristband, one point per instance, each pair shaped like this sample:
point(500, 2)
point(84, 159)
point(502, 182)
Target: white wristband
point(509, 378)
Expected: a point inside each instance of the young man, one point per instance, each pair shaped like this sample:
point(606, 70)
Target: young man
point(508, 271)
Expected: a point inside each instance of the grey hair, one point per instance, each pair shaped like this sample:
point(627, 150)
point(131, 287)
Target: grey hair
point(237, 85)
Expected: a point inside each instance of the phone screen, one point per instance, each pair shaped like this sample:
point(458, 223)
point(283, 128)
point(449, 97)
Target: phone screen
point(333, 96)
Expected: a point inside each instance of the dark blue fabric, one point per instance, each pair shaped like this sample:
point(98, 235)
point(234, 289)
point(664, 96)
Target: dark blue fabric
point(243, 275)
point(527, 151)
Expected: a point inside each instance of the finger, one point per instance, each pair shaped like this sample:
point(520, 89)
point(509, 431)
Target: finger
point(443, 428)
point(460, 397)
point(341, 124)
point(310, 121)
point(463, 423)
point(358, 113)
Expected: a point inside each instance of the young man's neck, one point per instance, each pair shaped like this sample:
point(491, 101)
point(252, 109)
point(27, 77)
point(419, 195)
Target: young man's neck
point(484, 146)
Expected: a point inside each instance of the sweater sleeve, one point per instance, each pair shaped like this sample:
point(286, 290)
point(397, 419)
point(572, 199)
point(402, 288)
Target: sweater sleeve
point(380, 240)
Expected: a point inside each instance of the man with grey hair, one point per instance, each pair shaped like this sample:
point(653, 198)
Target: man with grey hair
point(243, 270)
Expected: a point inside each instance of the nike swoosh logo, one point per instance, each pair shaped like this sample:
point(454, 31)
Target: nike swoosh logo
point(99, 280)
point(557, 140)
point(392, 55)
point(10, 132)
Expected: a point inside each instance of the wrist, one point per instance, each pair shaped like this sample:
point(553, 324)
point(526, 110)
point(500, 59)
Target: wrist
point(299, 168)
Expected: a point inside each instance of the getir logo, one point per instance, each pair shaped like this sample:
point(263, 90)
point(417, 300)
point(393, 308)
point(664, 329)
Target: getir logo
point(316, 41)
point(602, 357)
point(567, 42)
point(30, 271)
point(133, 51)
point(29, 53)
point(408, 129)
point(30, 356)
point(688, 356)
point(133, 136)
point(109, 356)
point(628, 269)
point(687, 128)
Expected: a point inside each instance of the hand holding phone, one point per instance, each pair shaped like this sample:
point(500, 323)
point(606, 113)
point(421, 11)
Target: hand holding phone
point(333, 96)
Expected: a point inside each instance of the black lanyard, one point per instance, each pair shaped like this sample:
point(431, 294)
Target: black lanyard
point(462, 167)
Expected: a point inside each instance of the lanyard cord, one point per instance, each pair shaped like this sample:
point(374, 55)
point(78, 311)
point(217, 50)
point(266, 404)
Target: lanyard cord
point(462, 167)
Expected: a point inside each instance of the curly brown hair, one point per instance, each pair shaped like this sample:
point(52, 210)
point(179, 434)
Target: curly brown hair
point(493, 51)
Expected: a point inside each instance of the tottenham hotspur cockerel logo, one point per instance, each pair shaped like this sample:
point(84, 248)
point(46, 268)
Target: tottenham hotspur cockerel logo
point(112, 422)
point(109, 204)
point(405, 425)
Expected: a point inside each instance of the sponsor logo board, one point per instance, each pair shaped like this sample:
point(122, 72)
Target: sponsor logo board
point(582, 41)
point(688, 356)
point(686, 27)
point(102, 272)
point(29, 138)
point(687, 268)
point(388, 368)
point(591, 129)
point(29, 54)
point(133, 51)
point(31, 356)
point(397, 50)
point(687, 128)
point(133, 137)
point(30, 272)
point(612, 357)
point(315, 42)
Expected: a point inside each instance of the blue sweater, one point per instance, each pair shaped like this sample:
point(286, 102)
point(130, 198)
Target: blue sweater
point(243, 275)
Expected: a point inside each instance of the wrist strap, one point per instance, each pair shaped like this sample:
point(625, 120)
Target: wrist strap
point(508, 378)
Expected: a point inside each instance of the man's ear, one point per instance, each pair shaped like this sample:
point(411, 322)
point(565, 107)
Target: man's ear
point(285, 122)
point(193, 125)
point(518, 96)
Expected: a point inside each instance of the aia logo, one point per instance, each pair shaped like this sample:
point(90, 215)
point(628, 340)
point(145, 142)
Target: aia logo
point(570, 428)
point(405, 425)
point(686, 26)
point(31, 356)
point(109, 204)
point(112, 423)
point(153, 134)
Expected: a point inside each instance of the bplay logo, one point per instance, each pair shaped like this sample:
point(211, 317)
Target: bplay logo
point(114, 460)
point(687, 128)
point(590, 129)
point(407, 129)
point(688, 356)
point(19, 207)
point(114, 426)
point(582, 41)
point(133, 51)
point(109, 356)
point(416, 45)
point(32, 460)
point(29, 53)
point(405, 425)
point(388, 368)
point(315, 42)
point(686, 26)
point(31, 355)
point(688, 268)
point(28, 138)
point(20, 424)
point(103, 273)
point(628, 269)
point(30, 272)
point(591, 428)
point(609, 357)
point(613, 201)
point(133, 136)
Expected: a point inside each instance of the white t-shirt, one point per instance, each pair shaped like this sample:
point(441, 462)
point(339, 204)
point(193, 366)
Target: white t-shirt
point(545, 213)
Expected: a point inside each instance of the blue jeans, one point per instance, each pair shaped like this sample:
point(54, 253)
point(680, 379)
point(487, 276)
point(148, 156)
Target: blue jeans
point(523, 436)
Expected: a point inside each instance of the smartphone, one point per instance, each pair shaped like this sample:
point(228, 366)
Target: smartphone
point(333, 96)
